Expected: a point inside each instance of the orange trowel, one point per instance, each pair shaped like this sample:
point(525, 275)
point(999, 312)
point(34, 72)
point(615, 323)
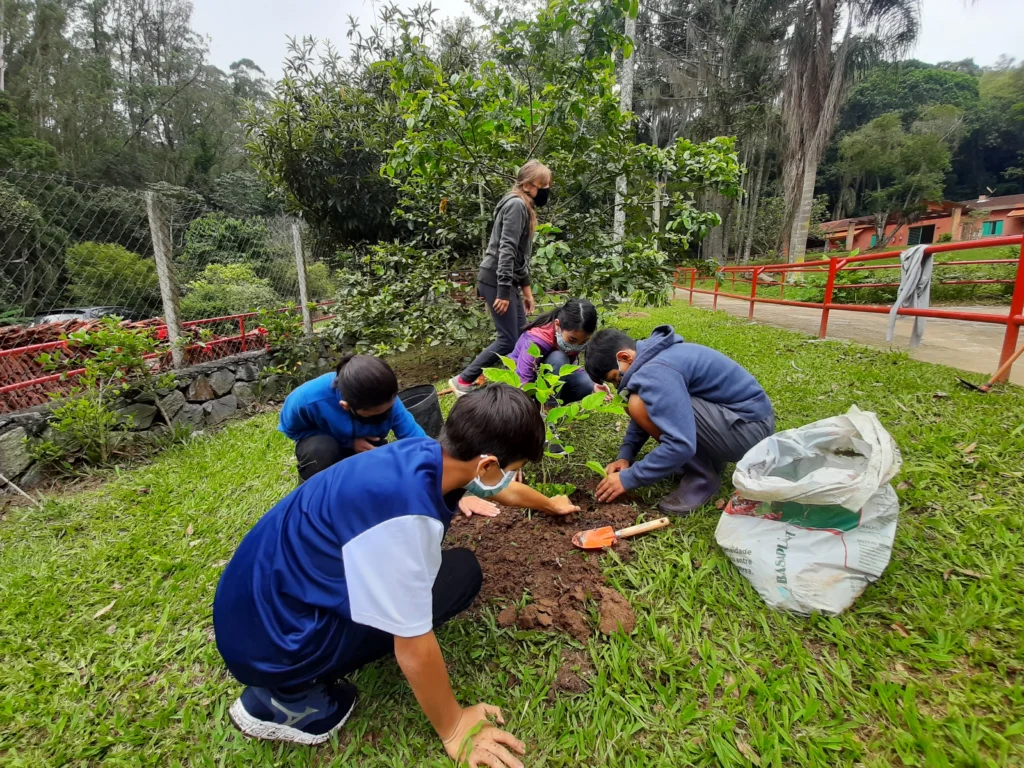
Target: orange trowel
point(599, 538)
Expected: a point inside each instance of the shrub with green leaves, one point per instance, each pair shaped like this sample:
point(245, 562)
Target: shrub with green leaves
point(394, 295)
point(107, 274)
point(227, 289)
point(221, 239)
point(84, 423)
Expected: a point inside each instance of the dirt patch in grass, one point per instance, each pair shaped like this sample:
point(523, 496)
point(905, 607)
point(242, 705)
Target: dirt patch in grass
point(573, 675)
point(533, 555)
point(427, 366)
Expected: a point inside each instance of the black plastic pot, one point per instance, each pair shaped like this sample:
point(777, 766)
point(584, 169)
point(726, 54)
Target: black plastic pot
point(422, 402)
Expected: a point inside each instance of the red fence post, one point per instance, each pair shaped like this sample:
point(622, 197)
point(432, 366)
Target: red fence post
point(753, 294)
point(782, 286)
point(241, 331)
point(830, 286)
point(1016, 308)
point(714, 302)
point(693, 283)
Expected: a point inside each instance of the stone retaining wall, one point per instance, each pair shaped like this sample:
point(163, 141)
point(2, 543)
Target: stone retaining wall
point(205, 395)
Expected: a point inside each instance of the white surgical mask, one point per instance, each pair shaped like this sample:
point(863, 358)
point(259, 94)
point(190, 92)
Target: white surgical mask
point(481, 490)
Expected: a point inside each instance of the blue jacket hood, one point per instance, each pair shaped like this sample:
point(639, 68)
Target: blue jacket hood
point(663, 337)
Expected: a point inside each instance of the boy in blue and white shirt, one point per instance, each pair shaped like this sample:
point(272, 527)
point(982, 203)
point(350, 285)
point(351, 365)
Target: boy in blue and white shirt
point(348, 568)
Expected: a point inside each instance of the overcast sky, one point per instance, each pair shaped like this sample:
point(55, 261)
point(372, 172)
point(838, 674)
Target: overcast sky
point(258, 29)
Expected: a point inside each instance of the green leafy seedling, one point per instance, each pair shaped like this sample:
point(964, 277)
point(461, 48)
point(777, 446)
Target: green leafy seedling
point(595, 467)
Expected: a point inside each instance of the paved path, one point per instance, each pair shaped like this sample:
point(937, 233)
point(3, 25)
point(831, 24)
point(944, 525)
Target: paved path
point(968, 346)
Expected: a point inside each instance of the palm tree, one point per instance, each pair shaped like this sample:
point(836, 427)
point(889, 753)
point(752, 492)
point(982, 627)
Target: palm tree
point(821, 65)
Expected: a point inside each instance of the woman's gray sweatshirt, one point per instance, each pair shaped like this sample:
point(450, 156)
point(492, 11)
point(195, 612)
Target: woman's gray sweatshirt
point(506, 263)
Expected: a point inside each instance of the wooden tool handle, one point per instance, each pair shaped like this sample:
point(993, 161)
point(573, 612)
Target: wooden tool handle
point(636, 530)
point(1005, 366)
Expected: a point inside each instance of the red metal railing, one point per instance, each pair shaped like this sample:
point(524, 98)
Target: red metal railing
point(1013, 319)
point(35, 390)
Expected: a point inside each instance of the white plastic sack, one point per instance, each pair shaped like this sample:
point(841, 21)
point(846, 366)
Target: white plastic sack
point(814, 516)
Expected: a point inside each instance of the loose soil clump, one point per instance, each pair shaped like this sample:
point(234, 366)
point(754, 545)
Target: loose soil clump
point(532, 554)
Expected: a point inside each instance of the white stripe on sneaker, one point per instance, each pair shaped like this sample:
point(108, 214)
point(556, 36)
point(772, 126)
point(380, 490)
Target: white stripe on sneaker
point(255, 728)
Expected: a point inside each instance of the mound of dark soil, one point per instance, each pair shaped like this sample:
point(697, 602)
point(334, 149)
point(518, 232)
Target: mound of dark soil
point(533, 554)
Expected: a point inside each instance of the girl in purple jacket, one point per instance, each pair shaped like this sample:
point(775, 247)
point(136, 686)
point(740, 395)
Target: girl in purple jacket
point(560, 335)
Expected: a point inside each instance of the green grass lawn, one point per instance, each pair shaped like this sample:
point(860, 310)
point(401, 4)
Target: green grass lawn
point(105, 609)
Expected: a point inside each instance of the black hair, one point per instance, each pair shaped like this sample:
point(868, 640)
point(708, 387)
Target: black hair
point(499, 421)
point(365, 381)
point(602, 349)
point(574, 315)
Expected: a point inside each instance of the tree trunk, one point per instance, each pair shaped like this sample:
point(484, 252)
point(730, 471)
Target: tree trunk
point(728, 227)
point(659, 191)
point(754, 202)
point(802, 220)
point(3, 43)
point(626, 105)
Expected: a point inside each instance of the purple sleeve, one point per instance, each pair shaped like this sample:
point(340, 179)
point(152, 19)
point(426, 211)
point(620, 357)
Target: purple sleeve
point(526, 364)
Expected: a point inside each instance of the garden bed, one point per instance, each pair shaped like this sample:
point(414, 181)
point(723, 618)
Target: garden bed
point(535, 579)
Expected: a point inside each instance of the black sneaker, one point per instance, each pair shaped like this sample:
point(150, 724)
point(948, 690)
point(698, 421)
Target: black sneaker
point(309, 717)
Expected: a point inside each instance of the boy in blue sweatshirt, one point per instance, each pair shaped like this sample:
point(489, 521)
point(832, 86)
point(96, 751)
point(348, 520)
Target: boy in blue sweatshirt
point(704, 409)
point(349, 568)
point(340, 414)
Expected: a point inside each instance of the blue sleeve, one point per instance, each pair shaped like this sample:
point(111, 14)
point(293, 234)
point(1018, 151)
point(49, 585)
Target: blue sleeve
point(403, 424)
point(293, 420)
point(634, 441)
point(663, 391)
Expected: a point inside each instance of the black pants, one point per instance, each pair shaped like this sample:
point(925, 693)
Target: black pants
point(508, 326)
point(318, 452)
point(577, 384)
point(457, 584)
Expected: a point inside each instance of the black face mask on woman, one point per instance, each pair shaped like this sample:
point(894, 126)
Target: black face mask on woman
point(541, 198)
point(380, 418)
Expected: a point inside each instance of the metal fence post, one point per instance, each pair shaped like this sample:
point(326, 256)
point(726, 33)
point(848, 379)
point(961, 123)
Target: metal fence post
point(753, 294)
point(714, 301)
point(300, 269)
point(160, 231)
point(830, 285)
point(1016, 309)
point(693, 284)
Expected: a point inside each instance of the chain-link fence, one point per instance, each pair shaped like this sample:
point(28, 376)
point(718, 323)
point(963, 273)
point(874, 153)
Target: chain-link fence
point(71, 253)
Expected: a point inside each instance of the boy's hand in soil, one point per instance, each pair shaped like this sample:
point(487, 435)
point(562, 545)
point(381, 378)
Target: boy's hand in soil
point(611, 488)
point(474, 505)
point(488, 746)
point(519, 495)
point(616, 466)
point(359, 445)
point(560, 505)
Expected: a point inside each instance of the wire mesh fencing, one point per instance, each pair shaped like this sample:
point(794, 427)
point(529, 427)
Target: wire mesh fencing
point(163, 259)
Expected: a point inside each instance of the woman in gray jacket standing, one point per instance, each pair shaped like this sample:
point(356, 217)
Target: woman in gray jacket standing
point(504, 277)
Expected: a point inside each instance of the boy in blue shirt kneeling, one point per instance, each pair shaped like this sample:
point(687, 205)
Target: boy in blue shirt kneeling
point(349, 568)
point(704, 409)
point(340, 414)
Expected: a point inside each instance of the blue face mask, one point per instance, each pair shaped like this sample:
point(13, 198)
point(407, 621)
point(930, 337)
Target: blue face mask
point(567, 346)
point(478, 488)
